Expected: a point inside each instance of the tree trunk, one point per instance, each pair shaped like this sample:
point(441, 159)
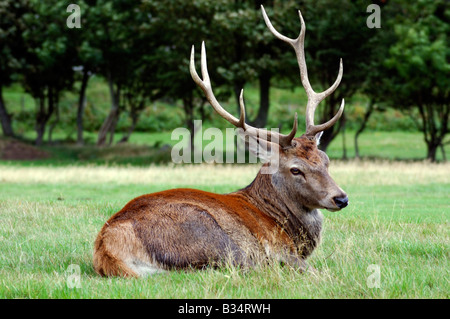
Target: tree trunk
point(136, 108)
point(264, 100)
point(43, 115)
point(344, 146)
point(431, 151)
point(189, 111)
point(134, 119)
point(444, 157)
point(434, 133)
point(40, 131)
point(5, 118)
point(40, 123)
point(113, 113)
point(53, 124)
point(112, 129)
point(363, 126)
point(329, 134)
point(81, 106)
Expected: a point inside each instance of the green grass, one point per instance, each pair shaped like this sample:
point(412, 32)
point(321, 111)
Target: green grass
point(384, 145)
point(398, 220)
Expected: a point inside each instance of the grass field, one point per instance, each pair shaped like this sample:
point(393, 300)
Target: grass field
point(397, 226)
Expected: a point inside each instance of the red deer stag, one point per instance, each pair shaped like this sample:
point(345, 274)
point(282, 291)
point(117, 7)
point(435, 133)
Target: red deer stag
point(276, 216)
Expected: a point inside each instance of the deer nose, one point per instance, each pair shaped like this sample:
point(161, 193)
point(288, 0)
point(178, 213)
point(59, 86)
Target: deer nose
point(341, 202)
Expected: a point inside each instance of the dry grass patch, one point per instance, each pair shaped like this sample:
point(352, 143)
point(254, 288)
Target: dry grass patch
point(354, 172)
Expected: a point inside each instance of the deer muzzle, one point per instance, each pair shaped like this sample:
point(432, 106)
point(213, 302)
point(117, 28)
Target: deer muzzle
point(341, 202)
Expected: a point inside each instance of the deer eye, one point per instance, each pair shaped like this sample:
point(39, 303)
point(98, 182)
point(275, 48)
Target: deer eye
point(296, 171)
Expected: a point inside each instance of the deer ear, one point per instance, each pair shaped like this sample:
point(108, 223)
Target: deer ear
point(317, 137)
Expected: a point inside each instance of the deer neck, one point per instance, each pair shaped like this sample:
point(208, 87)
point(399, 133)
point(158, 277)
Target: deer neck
point(302, 225)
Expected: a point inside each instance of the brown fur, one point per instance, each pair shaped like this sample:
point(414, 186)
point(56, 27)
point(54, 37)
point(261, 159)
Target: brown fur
point(275, 216)
point(114, 245)
point(307, 150)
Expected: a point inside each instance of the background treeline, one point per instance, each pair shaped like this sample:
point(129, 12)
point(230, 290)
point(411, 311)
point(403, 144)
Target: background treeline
point(126, 68)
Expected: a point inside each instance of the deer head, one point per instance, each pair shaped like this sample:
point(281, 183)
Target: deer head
point(301, 176)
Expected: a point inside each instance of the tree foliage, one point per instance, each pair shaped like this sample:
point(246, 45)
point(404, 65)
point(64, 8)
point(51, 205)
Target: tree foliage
point(335, 30)
point(142, 49)
point(49, 57)
point(418, 66)
point(12, 48)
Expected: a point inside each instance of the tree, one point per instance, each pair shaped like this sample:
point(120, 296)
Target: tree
point(111, 41)
point(252, 53)
point(12, 50)
point(87, 59)
point(47, 70)
point(139, 89)
point(418, 66)
point(174, 27)
point(376, 72)
point(337, 29)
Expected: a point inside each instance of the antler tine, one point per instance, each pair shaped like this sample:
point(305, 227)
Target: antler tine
point(242, 108)
point(287, 139)
point(312, 130)
point(275, 32)
point(205, 85)
point(298, 45)
point(313, 98)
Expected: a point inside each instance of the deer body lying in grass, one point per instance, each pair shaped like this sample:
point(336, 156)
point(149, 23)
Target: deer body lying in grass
point(276, 216)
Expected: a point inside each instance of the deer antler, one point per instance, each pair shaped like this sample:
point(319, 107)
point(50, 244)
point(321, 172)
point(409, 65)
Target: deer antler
point(313, 98)
point(205, 85)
